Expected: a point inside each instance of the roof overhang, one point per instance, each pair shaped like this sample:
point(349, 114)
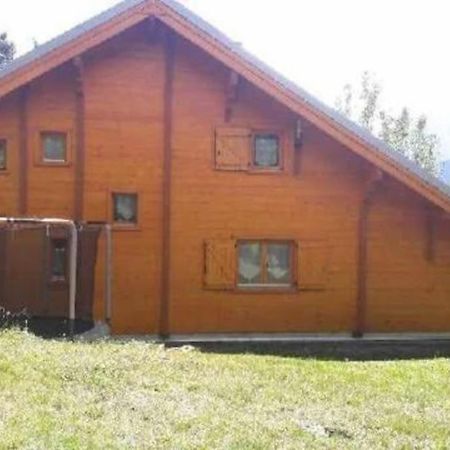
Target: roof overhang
point(188, 25)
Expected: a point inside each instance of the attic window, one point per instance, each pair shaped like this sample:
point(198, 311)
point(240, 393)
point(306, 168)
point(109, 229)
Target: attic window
point(247, 150)
point(266, 151)
point(54, 147)
point(3, 155)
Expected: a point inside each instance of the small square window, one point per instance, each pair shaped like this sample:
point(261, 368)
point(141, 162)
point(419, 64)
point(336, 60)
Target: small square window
point(3, 155)
point(266, 151)
point(58, 265)
point(54, 147)
point(125, 209)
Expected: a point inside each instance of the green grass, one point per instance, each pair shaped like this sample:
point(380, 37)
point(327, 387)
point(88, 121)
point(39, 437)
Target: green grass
point(56, 394)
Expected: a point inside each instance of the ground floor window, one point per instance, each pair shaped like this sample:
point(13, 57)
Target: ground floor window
point(263, 264)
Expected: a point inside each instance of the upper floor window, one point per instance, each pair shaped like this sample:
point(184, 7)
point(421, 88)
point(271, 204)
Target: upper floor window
point(3, 155)
point(265, 264)
point(54, 147)
point(266, 151)
point(125, 208)
point(243, 149)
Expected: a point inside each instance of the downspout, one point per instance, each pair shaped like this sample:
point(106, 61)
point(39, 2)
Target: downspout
point(164, 319)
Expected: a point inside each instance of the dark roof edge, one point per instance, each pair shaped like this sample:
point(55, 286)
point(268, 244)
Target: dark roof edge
point(68, 36)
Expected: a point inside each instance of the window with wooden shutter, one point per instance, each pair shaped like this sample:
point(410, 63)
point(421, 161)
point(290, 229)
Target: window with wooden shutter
point(313, 265)
point(220, 264)
point(233, 148)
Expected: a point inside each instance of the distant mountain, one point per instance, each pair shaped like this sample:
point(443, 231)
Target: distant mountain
point(446, 171)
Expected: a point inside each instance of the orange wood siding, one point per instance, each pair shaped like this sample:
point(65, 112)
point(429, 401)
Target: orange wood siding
point(207, 204)
point(406, 291)
point(124, 132)
point(316, 197)
point(9, 130)
point(50, 106)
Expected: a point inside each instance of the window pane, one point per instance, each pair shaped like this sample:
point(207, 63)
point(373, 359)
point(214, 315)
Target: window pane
point(278, 264)
point(250, 263)
point(267, 148)
point(54, 145)
point(59, 259)
point(125, 208)
point(2, 154)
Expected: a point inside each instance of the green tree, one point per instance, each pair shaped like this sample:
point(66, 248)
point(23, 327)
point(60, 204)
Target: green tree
point(7, 50)
point(405, 133)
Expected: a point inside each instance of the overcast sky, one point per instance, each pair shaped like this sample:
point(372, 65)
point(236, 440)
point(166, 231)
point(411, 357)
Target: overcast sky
point(320, 44)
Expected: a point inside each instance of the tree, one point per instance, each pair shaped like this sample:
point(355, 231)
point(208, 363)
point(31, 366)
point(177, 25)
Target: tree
point(7, 50)
point(405, 133)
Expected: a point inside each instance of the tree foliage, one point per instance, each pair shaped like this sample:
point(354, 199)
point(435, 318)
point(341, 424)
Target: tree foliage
point(406, 134)
point(7, 50)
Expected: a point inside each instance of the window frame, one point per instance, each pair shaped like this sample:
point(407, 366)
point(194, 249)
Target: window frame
point(264, 286)
point(42, 161)
point(53, 280)
point(270, 169)
point(122, 226)
point(4, 170)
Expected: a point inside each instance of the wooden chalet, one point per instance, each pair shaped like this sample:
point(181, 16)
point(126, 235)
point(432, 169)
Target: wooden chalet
point(238, 202)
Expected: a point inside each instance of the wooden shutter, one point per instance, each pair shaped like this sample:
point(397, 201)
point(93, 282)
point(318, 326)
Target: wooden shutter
point(232, 148)
point(313, 264)
point(220, 264)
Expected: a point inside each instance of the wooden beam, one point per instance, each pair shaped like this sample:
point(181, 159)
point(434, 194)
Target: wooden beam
point(164, 319)
point(231, 94)
point(432, 216)
point(151, 29)
point(80, 155)
point(22, 207)
point(371, 186)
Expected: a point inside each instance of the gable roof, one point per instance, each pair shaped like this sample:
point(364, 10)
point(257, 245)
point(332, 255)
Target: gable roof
point(189, 25)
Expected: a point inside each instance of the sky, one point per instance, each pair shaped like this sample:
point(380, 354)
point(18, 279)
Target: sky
point(319, 44)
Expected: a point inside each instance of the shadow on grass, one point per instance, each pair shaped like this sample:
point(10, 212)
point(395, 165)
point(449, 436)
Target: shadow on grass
point(47, 328)
point(357, 350)
point(339, 350)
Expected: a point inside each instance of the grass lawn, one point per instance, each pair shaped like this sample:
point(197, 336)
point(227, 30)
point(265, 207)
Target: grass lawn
point(57, 394)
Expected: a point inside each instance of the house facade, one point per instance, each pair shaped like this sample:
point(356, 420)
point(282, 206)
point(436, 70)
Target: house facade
point(239, 204)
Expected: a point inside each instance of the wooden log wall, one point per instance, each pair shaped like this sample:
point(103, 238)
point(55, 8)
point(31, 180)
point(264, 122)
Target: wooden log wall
point(141, 119)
